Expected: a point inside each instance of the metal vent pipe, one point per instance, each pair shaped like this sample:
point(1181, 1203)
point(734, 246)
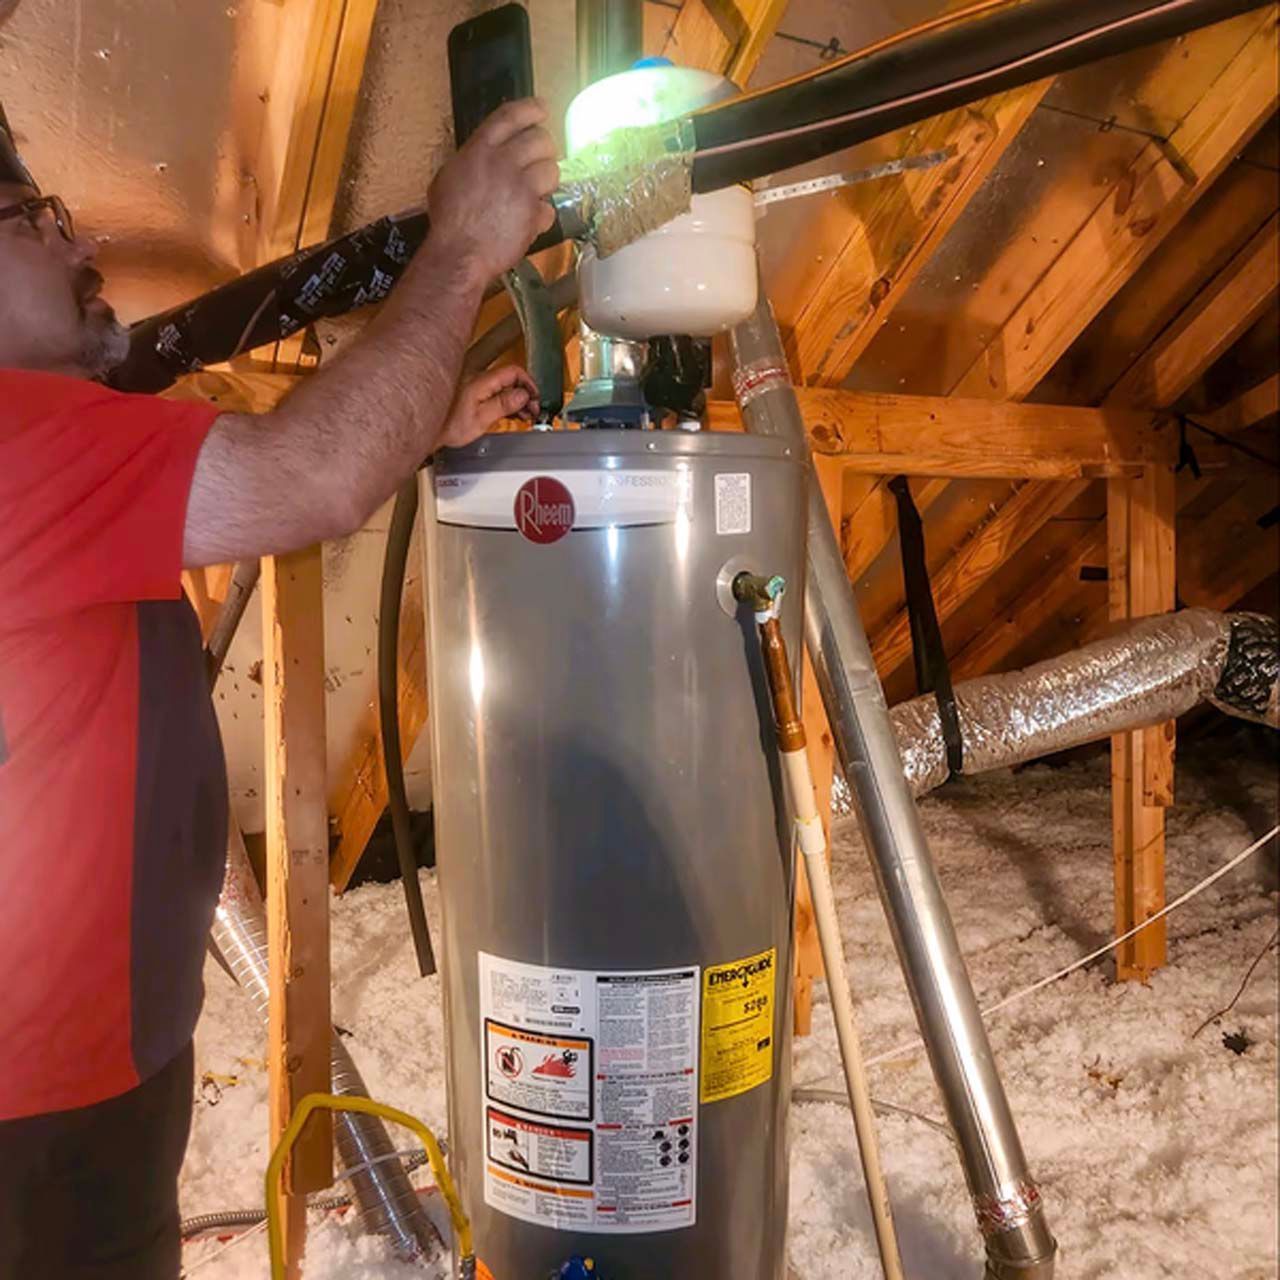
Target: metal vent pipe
point(610, 37)
point(1005, 1198)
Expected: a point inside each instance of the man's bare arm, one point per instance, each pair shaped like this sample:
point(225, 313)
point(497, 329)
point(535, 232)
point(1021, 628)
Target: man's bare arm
point(333, 451)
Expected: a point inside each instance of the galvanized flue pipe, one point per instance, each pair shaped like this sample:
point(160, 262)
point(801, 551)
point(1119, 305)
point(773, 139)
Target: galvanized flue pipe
point(1005, 1197)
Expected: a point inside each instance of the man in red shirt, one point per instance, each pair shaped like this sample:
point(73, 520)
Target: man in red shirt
point(112, 783)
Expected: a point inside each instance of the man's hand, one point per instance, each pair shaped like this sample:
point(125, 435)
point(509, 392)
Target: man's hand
point(489, 203)
point(485, 400)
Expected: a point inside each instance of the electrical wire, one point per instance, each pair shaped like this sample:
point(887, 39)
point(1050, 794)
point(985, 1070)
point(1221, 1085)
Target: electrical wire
point(839, 1098)
point(905, 1050)
point(200, 1264)
point(1257, 960)
point(202, 1224)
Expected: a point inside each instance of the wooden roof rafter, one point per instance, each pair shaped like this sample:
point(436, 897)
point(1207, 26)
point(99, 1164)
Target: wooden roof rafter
point(1131, 219)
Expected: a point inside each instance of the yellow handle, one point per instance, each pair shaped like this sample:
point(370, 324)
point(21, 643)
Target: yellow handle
point(330, 1102)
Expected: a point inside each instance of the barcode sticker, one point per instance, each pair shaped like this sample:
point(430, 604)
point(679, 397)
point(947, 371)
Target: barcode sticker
point(733, 503)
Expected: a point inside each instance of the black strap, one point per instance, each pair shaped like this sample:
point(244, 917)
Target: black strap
point(933, 675)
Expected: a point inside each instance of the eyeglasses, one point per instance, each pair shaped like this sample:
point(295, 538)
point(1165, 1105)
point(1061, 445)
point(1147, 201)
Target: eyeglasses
point(33, 208)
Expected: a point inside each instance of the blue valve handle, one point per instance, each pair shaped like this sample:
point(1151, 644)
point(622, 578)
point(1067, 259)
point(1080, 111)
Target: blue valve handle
point(578, 1269)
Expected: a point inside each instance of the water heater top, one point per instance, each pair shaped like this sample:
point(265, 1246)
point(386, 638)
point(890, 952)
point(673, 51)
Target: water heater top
point(607, 449)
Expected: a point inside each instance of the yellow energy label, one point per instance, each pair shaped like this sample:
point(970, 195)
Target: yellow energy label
point(737, 1026)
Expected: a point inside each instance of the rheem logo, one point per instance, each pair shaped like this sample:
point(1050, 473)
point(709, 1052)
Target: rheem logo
point(544, 509)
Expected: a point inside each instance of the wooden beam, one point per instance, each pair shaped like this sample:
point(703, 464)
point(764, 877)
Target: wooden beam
point(821, 750)
point(725, 36)
point(1246, 410)
point(362, 798)
point(297, 870)
point(1131, 220)
point(1007, 531)
point(311, 102)
point(1205, 330)
point(873, 525)
point(1141, 582)
point(989, 650)
point(1200, 247)
point(879, 434)
point(992, 647)
point(893, 229)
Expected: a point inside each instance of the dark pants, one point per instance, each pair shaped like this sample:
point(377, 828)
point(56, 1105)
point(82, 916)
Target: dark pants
point(92, 1194)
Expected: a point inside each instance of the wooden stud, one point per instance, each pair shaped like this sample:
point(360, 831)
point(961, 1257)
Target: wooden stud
point(1253, 406)
point(877, 434)
point(1205, 330)
point(1141, 574)
point(362, 797)
point(297, 869)
point(726, 36)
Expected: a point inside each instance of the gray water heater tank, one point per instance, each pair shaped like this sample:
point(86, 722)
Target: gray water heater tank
point(616, 868)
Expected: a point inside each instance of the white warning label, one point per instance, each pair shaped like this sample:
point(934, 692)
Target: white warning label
point(591, 1083)
point(733, 503)
point(546, 1075)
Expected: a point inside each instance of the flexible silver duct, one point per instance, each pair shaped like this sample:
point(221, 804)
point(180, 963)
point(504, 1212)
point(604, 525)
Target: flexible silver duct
point(387, 1203)
point(1006, 1200)
point(1156, 670)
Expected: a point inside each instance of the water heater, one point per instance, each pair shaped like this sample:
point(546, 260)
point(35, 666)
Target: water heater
point(615, 861)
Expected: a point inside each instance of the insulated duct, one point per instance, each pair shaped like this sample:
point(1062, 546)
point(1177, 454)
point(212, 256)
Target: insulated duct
point(387, 1203)
point(1155, 671)
point(645, 177)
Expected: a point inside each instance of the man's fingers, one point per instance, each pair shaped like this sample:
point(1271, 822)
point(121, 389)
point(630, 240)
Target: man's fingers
point(492, 381)
point(530, 147)
point(511, 119)
point(510, 402)
point(544, 177)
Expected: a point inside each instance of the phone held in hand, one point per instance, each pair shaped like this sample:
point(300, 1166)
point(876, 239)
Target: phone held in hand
point(490, 63)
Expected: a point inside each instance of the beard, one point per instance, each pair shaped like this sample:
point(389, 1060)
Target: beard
point(104, 345)
point(104, 341)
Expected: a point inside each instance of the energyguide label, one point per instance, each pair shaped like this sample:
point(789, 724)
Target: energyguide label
point(737, 1025)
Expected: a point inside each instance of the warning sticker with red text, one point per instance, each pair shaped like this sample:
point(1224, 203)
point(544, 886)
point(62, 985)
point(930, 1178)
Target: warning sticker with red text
point(591, 1095)
point(542, 1074)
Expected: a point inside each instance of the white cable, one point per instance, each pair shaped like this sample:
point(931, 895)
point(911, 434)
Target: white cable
point(230, 1244)
point(903, 1050)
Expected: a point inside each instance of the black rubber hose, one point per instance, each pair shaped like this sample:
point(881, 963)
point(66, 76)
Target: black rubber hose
point(536, 307)
point(961, 58)
point(399, 540)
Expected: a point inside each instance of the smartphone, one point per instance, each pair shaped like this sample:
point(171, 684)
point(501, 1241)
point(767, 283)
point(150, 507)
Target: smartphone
point(490, 62)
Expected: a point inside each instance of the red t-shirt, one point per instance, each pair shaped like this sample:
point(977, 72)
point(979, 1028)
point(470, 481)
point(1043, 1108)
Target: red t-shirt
point(112, 782)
